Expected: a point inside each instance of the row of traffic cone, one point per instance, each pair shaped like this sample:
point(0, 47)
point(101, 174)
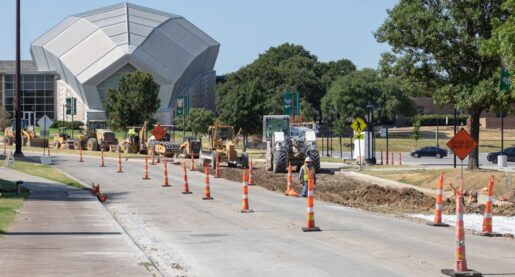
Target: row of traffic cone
point(392, 160)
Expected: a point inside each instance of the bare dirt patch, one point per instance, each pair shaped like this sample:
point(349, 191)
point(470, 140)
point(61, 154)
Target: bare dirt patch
point(351, 192)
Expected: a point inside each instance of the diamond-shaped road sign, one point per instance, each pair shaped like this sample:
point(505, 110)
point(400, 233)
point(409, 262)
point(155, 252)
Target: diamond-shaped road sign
point(462, 144)
point(158, 132)
point(45, 122)
point(358, 125)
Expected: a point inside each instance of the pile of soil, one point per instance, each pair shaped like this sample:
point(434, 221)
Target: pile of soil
point(350, 192)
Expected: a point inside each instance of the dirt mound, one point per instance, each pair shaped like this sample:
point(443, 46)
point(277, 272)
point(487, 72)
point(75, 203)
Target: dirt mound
point(353, 193)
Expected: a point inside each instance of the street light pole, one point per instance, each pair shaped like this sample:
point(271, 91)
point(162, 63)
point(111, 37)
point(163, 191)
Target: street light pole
point(17, 116)
point(502, 132)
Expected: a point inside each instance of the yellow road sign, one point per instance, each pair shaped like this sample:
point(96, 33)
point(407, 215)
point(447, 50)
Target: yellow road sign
point(358, 125)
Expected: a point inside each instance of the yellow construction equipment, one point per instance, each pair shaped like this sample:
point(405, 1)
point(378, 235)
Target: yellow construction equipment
point(222, 143)
point(135, 141)
point(97, 137)
point(166, 146)
point(190, 147)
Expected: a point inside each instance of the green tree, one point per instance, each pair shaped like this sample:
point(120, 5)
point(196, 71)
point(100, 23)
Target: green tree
point(350, 94)
point(502, 41)
point(199, 120)
point(415, 132)
point(5, 119)
point(135, 100)
point(436, 44)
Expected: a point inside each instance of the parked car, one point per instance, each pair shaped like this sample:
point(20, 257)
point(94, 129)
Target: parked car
point(429, 151)
point(510, 152)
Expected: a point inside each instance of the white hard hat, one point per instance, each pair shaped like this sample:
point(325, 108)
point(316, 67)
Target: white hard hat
point(308, 159)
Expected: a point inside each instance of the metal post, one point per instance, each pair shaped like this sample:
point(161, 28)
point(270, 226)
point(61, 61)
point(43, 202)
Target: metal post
point(183, 124)
point(72, 110)
point(455, 121)
point(502, 132)
point(17, 115)
point(387, 150)
point(437, 125)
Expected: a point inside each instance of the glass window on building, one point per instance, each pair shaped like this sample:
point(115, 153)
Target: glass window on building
point(36, 94)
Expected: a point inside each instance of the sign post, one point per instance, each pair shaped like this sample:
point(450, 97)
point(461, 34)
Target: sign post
point(358, 125)
point(504, 85)
point(44, 122)
point(183, 108)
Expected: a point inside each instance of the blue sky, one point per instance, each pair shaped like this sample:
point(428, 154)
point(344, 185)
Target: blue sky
point(330, 29)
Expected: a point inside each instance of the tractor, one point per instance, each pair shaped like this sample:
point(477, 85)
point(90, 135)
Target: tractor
point(97, 137)
point(190, 147)
point(166, 146)
point(222, 143)
point(288, 145)
point(135, 140)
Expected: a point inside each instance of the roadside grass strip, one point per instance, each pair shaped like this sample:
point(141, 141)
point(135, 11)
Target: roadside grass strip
point(46, 172)
point(10, 203)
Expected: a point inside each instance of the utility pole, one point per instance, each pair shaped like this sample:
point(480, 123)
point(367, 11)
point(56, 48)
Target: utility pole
point(17, 116)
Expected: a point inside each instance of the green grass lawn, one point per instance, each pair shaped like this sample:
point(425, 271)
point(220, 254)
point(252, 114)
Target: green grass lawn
point(9, 203)
point(46, 172)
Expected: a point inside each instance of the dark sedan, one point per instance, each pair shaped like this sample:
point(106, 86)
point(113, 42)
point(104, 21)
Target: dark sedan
point(510, 152)
point(429, 151)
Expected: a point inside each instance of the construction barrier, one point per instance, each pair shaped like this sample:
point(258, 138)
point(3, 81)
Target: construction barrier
point(400, 158)
point(460, 264)
point(101, 158)
point(245, 190)
point(80, 155)
point(207, 191)
point(289, 189)
point(251, 173)
point(165, 175)
point(487, 220)
point(153, 156)
point(186, 186)
point(437, 221)
point(145, 173)
point(217, 171)
point(119, 164)
point(310, 209)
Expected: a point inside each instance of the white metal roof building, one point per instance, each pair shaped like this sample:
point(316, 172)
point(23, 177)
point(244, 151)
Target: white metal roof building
point(91, 50)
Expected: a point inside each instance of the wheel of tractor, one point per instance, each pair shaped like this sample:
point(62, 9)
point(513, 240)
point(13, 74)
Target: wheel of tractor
point(57, 145)
point(315, 157)
point(92, 144)
point(280, 161)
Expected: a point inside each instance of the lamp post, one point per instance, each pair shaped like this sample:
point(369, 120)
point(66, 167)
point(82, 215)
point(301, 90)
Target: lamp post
point(17, 114)
point(370, 142)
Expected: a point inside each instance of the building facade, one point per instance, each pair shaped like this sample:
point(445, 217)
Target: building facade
point(85, 55)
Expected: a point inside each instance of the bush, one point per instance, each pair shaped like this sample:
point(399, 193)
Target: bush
point(5, 119)
point(68, 124)
point(430, 119)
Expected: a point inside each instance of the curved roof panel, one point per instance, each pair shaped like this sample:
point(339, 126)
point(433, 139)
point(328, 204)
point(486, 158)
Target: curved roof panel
point(82, 47)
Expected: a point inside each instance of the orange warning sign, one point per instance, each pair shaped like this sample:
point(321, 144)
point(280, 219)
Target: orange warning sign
point(158, 132)
point(462, 144)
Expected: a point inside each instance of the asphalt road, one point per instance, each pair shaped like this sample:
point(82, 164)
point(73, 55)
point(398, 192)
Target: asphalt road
point(212, 238)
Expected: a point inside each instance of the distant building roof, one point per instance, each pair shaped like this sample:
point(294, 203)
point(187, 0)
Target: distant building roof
point(11, 66)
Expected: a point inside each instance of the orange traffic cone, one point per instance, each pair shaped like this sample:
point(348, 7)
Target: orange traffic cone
point(460, 264)
point(245, 190)
point(310, 211)
point(102, 158)
point(186, 187)
point(119, 164)
point(80, 155)
point(251, 173)
point(95, 189)
point(437, 221)
point(207, 191)
point(145, 174)
point(487, 220)
point(217, 171)
point(165, 175)
point(192, 166)
point(289, 189)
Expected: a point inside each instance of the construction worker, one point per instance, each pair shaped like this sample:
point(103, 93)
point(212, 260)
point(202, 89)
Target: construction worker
point(304, 172)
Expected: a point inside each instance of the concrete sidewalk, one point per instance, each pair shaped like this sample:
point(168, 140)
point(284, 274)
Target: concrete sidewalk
point(63, 231)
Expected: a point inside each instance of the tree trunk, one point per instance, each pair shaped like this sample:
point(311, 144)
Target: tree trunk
point(245, 142)
point(474, 132)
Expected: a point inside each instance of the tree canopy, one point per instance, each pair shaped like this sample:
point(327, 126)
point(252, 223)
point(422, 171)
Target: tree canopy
point(349, 95)
point(134, 101)
point(199, 120)
point(257, 89)
point(436, 45)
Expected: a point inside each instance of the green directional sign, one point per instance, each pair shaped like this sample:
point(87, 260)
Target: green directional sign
point(291, 103)
point(505, 80)
point(183, 105)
